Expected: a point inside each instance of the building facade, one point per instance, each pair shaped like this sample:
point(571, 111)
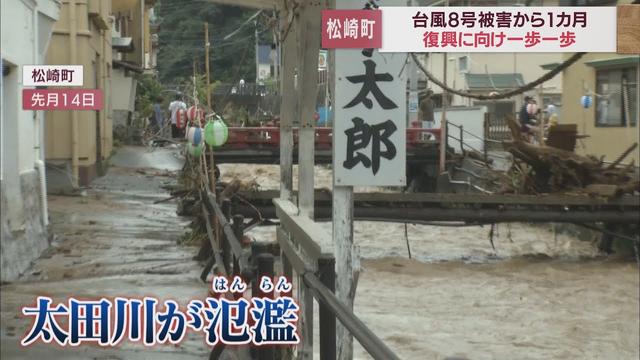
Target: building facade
point(111, 39)
point(26, 31)
point(78, 142)
point(134, 53)
point(611, 121)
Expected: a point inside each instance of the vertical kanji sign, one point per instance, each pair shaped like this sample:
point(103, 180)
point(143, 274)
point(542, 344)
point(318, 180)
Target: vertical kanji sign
point(370, 118)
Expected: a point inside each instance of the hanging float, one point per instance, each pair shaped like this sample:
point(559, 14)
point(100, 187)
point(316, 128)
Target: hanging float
point(195, 150)
point(181, 118)
point(586, 101)
point(194, 135)
point(216, 132)
point(195, 114)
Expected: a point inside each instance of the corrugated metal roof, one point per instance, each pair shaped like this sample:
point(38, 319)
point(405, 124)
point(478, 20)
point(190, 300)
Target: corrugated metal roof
point(494, 81)
point(612, 62)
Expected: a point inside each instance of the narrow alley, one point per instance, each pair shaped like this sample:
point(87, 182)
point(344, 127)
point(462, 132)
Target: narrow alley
point(110, 240)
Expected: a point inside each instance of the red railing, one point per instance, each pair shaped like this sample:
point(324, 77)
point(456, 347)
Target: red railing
point(250, 137)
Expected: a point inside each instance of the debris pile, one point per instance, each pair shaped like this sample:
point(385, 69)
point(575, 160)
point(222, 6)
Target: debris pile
point(545, 169)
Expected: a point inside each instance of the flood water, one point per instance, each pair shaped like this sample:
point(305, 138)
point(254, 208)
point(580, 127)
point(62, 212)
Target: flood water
point(541, 294)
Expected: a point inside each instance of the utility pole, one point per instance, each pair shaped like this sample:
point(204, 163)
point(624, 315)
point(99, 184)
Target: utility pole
point(443, 121)
point(206, 60)
point(257, 46)
point(413, 86)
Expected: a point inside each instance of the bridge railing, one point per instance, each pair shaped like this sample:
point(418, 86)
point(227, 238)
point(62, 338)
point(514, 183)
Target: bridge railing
point(306, 254)
point(247, 137)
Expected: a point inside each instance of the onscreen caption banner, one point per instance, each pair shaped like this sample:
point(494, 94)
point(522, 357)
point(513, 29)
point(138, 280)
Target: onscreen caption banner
point(52, 75)
point(62, 99)
point(479, 29)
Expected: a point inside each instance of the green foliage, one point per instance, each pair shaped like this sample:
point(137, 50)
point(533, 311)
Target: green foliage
point(181, 41)
point(149, 92)
point(201, 89)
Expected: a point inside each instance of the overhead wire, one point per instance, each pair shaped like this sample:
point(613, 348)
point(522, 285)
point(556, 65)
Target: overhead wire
point(529, 86)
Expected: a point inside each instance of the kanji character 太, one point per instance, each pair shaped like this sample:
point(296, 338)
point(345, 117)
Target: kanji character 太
point(369, 85)
point(45, 326)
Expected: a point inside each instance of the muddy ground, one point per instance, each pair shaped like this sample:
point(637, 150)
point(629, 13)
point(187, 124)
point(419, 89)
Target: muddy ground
point(539, 295)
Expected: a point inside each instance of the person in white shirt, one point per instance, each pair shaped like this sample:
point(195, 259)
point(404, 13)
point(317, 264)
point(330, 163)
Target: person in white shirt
point(174, 106)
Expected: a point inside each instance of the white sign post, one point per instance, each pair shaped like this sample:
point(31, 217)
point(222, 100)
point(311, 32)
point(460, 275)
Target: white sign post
point(369, 135)
point(370, 118)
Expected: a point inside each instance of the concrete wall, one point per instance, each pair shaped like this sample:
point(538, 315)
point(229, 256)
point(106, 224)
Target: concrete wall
point(24, 241)
point(26, 30)
point(124, 90)
point(609, 142)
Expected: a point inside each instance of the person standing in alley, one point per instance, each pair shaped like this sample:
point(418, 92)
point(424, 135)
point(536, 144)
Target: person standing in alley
point(426, 109)
point(426, 112)
point(174, 106)
point(527, 119)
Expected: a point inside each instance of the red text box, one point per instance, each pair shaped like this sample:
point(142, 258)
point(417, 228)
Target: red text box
point(62, 99)
point(351, 29)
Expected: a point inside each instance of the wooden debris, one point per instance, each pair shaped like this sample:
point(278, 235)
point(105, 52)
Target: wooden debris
point(551, 169)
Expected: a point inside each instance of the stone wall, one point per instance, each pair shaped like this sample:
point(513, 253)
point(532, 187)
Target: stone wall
point(24, 239)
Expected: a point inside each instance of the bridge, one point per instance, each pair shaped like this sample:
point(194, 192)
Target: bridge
point(261, 145)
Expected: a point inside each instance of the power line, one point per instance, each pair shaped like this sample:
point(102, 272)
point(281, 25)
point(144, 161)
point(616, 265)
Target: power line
point(575, 57)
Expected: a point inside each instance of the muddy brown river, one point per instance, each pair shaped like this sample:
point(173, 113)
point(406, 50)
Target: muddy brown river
point(540, 294)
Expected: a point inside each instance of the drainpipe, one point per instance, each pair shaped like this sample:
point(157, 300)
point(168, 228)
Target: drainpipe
point(39, 120)
point(73, 56)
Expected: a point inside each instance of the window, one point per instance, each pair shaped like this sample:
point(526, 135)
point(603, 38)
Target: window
point(498, 109)
point(463, 64)
point(616, 97)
